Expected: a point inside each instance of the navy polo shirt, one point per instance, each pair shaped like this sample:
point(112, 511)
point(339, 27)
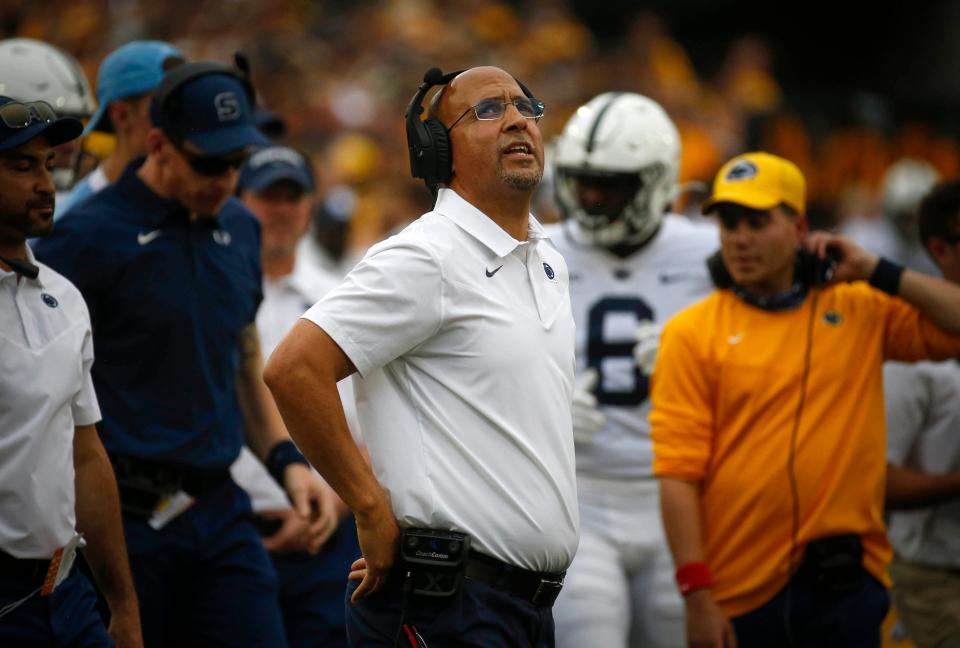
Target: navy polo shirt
point(167, 299)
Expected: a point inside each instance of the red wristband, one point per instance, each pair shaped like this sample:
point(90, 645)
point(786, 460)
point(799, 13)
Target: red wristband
point(693, 576)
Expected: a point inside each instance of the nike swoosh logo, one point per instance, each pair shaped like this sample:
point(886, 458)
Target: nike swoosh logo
point(490, 274)
point(672, 278)
point(145, 237)
point(735, 339)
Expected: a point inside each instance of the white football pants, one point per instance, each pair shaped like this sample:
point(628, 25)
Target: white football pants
point(620, 590)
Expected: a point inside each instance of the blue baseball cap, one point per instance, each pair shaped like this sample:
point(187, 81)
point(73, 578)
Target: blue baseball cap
point(39, 121)
point(272, 164)
point(130, 70)
point(211, 111)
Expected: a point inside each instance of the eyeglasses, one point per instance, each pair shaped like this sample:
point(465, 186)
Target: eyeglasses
point(492, 109)
point(211, 165)
point(20, 115)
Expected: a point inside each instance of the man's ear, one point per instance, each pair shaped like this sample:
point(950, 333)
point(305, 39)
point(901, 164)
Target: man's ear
point(938, 249)
point(118, 111)
point(157, 144)
point(803, 226)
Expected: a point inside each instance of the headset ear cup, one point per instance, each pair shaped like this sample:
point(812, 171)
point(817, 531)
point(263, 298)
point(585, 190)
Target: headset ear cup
point(442, 167)
point(718, 271)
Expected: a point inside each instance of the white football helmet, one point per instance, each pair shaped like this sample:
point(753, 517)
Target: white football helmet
point(35, 70)
point(904, 185)
point(616, 164)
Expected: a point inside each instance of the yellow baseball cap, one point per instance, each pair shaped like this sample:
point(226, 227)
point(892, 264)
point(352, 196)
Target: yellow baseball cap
point(759, 181)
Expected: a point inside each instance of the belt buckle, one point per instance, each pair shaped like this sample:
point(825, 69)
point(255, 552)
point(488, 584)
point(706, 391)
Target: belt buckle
point(547, 592)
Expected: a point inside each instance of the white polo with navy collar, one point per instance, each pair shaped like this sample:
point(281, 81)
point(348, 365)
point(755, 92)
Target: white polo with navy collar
point(46, 351)
point(463, 338)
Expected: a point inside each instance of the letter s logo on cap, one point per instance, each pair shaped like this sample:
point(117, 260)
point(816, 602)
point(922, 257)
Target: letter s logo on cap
point(228, 108)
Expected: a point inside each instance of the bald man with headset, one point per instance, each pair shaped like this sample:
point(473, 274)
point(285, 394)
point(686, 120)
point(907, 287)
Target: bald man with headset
point(460, 336)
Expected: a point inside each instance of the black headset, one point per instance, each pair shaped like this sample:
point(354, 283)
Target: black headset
point(165, 99)
point(811, 270)
point(431, 155)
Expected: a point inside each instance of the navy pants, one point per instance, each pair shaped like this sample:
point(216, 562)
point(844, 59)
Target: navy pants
point(68, 618)
point(311, 590)
point(205, 579)
point(478, 616)
point(816, 619)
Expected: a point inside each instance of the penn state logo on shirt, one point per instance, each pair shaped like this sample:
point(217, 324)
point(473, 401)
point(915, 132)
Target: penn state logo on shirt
point(49, 300)
point(222, 237)
point(833, 318)
point(742, 170)
point(228, 108)
point(549, 271)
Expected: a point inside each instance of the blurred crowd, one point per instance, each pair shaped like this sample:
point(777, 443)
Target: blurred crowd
point(337, 77)
point(340, 75)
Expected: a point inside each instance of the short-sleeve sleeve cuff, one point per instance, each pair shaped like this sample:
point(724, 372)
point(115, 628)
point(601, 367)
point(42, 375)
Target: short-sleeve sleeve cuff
point(684, 470)
point(338, 334)
point(86, 411)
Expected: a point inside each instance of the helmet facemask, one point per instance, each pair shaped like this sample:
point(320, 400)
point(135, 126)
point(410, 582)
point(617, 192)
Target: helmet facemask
point(613, 208)
point(616, 169)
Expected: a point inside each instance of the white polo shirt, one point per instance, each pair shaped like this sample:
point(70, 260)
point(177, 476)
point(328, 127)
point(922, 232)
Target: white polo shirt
point(46, 351)
point(464, 341)
point(287, 298)
point(923, 432)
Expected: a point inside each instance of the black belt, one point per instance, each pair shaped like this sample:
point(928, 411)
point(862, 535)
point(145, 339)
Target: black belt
point(539, 588)
point(143, 482)
point(31, 572)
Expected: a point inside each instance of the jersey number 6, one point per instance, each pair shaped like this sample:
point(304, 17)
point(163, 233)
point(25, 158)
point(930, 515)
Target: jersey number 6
point(599, 349)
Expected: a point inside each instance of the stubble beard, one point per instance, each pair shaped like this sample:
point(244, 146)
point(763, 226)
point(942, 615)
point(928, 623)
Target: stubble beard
point(525, 179)
point(30, 228)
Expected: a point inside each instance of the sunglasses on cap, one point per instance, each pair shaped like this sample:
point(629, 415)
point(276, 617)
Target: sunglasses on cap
point(491, 109)
point(212, 165)
point(21, 114)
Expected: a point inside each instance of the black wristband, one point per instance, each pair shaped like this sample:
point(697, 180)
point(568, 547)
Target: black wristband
point(282, 455)
point(886, 276)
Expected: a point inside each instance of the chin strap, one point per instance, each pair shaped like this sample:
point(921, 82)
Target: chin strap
point(22, 267)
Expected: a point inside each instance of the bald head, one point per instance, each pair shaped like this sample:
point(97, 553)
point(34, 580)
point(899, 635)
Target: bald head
point(500, 151)
point(470, 87)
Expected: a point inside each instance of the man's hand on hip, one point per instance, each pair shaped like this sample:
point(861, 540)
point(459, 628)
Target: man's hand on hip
point(378, 534)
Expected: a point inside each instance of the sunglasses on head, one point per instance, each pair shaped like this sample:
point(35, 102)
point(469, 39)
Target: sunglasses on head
point(212, 165)
point(491, 109)
point(18, 114)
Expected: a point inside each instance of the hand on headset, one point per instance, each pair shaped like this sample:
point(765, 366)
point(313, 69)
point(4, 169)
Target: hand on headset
point(851, 262)
point(587, 419)
point(645, 352)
